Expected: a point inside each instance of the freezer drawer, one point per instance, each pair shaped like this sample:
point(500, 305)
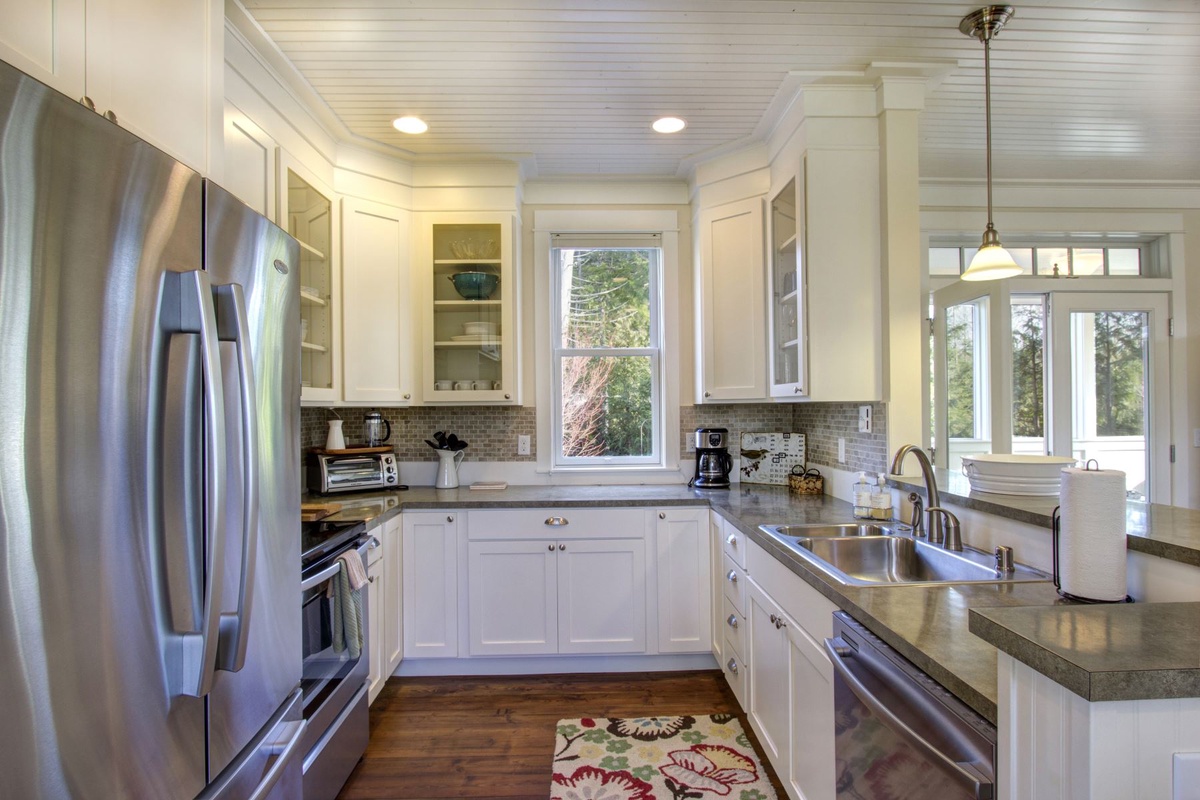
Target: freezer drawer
point(333, 758)
point(270, 766)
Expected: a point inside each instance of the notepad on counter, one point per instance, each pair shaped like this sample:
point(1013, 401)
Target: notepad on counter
point(489, 486)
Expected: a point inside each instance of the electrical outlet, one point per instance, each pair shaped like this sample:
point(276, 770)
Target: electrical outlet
point(523, 444)
point(841, 450)
point(864, 419)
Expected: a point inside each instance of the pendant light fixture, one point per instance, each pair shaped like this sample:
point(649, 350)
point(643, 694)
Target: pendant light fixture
point(991, 262)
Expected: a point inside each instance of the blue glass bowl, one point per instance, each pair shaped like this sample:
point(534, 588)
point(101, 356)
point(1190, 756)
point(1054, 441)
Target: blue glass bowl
point(475, 285)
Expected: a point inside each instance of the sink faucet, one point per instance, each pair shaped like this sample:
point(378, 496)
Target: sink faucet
point(935, 529)
point(953, 531)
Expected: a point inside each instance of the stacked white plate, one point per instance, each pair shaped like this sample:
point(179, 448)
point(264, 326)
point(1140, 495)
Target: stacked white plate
point(1001, 473)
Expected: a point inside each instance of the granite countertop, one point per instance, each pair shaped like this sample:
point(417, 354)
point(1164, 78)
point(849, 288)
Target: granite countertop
point(927, 625)
point(1103, 652)
point(1163, 531)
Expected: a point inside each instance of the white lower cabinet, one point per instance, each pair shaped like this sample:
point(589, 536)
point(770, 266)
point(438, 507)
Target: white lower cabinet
point(550, 595)
point(430, 598)
point(375, 617)
point(790, 685)
point(393, 595)
point(684, 588)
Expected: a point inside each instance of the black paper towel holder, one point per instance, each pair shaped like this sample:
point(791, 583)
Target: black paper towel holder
point(1055, 525)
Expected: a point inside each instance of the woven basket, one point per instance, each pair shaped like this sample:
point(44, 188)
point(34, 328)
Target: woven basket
point(808, 482)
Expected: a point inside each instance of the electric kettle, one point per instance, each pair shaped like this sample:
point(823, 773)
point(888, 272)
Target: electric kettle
point(377, 429)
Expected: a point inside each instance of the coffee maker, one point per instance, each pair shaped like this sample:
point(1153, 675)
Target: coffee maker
point(713, 462)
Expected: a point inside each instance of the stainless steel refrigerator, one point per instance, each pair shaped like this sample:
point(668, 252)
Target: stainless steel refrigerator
point(149, 493)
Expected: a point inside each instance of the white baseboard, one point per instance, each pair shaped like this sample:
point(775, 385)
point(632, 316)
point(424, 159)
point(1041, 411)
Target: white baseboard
point(552, 665)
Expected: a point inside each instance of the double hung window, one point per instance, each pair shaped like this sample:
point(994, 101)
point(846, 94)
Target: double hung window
point(606, 344)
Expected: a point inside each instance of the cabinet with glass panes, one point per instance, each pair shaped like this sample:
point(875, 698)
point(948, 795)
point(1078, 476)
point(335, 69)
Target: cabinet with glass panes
point(786, 281)
point(470, 336)
point(307, 211)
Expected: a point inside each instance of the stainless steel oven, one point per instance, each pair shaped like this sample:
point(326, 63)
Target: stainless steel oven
point(333, 684)
point(898, 733)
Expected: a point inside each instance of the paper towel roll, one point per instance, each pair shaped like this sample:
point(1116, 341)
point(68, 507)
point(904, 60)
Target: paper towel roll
point(1091, 544)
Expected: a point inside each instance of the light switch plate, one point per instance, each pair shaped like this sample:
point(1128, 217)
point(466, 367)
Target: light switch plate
point(864, 419)
point(1185, 778)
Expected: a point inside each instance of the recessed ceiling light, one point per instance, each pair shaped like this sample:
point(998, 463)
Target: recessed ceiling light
point(410, 125)
point(669, 125)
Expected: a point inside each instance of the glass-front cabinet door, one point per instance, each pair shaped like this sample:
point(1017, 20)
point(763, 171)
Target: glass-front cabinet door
point(470, 335)
point(786, 287)
point(307, 212)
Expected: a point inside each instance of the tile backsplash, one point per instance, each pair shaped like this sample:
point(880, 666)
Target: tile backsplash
point(492, 430)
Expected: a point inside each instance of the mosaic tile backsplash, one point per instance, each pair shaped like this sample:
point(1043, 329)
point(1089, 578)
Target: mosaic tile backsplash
point(492, 430)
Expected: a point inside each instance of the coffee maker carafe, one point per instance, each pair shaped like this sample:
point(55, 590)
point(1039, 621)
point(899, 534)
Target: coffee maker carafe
point(713, 462)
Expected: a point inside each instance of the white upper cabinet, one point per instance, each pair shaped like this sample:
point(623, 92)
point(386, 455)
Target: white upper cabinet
point(154, 67)
point(251, 162)
point(732, 356)
point(469, 293)
point(788, 344)
point(377, 340)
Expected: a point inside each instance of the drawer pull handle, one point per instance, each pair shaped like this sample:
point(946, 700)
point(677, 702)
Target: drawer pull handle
point(733, 667)
point(732, 541)
point(732, 576)
point(732, 621)
point(557, 521)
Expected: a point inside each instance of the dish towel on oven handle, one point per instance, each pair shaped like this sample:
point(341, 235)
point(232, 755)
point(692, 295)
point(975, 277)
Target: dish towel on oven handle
point(346, 592)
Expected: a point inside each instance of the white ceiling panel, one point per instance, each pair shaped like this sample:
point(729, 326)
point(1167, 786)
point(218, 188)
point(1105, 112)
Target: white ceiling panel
point(1081, 88)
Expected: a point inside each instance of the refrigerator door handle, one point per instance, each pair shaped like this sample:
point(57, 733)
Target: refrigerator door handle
point(233, 326)
point(188, 308)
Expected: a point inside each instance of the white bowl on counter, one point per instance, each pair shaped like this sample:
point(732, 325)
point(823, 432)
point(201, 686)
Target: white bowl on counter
point(1003, 473)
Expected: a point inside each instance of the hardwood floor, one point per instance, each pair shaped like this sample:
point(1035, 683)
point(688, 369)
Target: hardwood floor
point(492, 737)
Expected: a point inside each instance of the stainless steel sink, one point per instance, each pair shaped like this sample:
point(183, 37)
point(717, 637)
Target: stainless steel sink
point(841, 529)
point(894, 559)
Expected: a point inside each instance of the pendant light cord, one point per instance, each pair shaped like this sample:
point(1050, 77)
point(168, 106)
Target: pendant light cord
point(987, 105)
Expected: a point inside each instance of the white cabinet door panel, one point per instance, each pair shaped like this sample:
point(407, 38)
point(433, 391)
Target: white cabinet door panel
point(684, 586)
point(430, 585)
point(393, 595)
point(769, 682)
point(45, 39)
point(375, 615)
point(377, 341)
point(250, 162)
point(811, 773)
point(602, 596)
point(513, 590)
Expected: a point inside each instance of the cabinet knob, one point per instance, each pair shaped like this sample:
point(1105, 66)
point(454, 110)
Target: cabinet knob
point(732, 541)
point(371, 579)
point(774, 618)
point(662, 515)
point(779, 623)
point(732, 665)
point(798, 390)
point(407, 396)
point(508, 397)
point(708, 394)
point(111, 116)
point(449, 519)
point(732, 621)
point(557, 522)
point(732, 576)
point(550, 547)
point(87, 103)
point(562, 546)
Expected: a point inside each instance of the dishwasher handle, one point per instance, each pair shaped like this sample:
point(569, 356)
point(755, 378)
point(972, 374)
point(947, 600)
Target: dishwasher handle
point(839, 652)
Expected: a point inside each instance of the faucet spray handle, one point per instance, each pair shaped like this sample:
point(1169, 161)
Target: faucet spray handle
point(917, 521)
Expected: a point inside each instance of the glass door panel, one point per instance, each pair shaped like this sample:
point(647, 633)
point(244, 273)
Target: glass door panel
point(468, 336)
point(1111, 390)
point(309, 218)
point(787, 295)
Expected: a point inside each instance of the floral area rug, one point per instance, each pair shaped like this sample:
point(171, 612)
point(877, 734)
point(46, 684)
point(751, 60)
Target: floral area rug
point(656, 758)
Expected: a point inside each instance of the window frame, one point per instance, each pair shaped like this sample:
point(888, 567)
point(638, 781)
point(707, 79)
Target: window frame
point(584, 220)
point(654, 351)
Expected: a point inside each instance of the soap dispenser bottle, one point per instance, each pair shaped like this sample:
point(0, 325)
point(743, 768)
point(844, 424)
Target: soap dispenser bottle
point(862, 497)
point(881, 500)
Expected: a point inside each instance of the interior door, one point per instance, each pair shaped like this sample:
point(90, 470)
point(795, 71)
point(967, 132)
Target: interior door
point(1110, 385)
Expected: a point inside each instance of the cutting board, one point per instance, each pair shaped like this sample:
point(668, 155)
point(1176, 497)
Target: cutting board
point(311, 512)
point(769, 457)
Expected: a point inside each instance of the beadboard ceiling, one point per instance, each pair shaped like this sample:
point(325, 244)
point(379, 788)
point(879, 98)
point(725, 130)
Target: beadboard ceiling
point(1082, 89)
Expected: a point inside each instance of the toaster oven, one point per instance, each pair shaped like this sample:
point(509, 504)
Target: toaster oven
point(331, 474)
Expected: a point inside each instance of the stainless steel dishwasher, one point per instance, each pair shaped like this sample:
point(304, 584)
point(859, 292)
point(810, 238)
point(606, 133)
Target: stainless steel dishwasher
point(899, 735)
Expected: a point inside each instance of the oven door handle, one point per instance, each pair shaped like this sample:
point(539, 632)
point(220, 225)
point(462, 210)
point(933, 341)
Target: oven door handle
point(839, 652)
point(335, 567)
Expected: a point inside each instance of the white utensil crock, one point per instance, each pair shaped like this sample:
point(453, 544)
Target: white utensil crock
point(448, 461)
point(335, 440)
